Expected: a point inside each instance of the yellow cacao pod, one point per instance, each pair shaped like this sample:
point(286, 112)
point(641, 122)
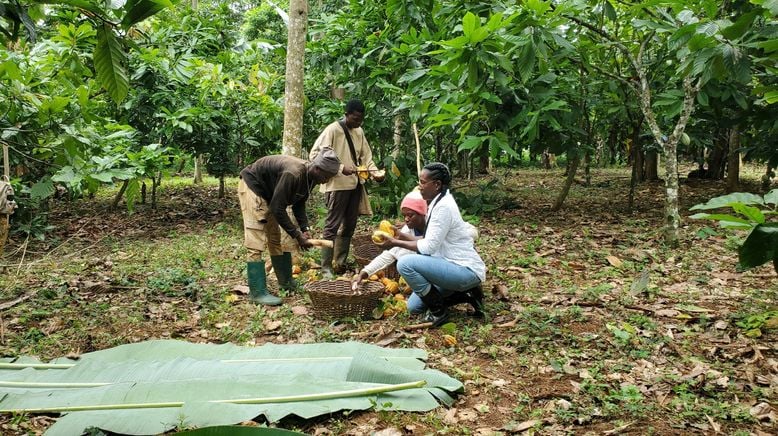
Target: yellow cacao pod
point(387, 227)
point(380, 236)
point(362, 172)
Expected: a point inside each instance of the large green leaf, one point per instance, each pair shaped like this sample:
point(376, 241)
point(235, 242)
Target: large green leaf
point(110, 64)
point(81, 4)
point(233, 430)
point(139, 10)
point(760, 247)
point(728, 200)
point(151, 387)
point(771, 197)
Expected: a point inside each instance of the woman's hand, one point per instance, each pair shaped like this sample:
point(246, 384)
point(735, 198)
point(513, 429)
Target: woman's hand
point(386, 243)
point(358, 279)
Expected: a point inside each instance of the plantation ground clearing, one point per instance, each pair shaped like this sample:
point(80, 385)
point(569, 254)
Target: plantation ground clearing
point(576, 340)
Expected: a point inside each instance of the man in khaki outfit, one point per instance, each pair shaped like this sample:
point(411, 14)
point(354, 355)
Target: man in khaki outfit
point(265, 190)
point(345, 194)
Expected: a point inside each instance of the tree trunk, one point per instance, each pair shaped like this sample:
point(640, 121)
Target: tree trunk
point(222, 187)
point(571, 170)
point(338, 93)
point(119, 195)
point(548, 160)
point(651, 166)
point(635, 174)
point(484, 163)
point(588, 168)
point(717, 160)
point(669, 145)
point(293, 91)
point(154, 183)
point(397, 135)
point(143, 192)
point(733, 161)
point(198, 169)
point(767, 178)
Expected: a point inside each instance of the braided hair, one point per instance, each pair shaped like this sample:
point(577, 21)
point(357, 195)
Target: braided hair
point(439, 171)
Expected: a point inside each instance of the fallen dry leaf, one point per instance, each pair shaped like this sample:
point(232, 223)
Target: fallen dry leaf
point(451, 416)
point(614, 261)
point(500, 292)
point(391, 431)
point(241, 289)
point(299, 310)
point(271, 325)
point(526, 425)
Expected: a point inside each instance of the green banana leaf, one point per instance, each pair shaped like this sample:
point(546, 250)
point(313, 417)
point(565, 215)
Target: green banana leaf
point(153, 387)
point(233, 430)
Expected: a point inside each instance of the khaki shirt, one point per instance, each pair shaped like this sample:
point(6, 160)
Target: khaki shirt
point(333, 137)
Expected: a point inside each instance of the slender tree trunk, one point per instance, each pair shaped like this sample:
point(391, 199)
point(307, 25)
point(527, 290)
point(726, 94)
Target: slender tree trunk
point(571, 170)
point(767, 178)
point(338, 93)
point(484, 164)
point(547, 160)
point(717, 160)
point(669, 146)
point(733, 161)
point(143, 192)
point(397, 135)
point(199, 163)
point(154, 184)
point(588, 168)
point(651, 166)
point(633, 180)
point(118, 197)
point(222, 187)
point(295, 60)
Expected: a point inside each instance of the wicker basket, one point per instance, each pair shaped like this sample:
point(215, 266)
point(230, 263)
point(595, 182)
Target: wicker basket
point(335, 299)
point(359, 240)
point(365, 253)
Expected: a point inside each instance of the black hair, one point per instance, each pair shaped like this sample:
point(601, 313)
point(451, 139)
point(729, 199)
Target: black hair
point(355, 106)
point(439, 171)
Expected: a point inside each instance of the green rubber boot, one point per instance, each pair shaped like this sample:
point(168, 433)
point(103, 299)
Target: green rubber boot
point(342, 245)
point(282, 265)
point(258, 293)
point(326, 263)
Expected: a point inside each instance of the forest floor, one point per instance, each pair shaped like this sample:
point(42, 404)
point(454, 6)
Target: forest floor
point(575, 342)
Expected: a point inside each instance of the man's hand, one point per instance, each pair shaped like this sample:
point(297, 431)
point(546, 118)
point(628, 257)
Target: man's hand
point(348, 170)
point(378, 175)
point(302, 240)
point(358, 279)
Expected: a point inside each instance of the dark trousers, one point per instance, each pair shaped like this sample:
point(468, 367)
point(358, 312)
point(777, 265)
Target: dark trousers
point(342, 209)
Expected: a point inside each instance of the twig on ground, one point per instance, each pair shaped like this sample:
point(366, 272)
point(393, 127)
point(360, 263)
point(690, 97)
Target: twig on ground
point(422, 325)
point(12, 303)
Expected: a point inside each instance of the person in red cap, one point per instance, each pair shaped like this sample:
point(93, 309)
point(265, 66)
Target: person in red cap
point(414, 210)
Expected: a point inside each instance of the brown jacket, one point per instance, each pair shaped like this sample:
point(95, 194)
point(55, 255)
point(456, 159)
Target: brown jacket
point(282, 181)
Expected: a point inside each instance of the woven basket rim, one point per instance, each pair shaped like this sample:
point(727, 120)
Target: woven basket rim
point(325, 287)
